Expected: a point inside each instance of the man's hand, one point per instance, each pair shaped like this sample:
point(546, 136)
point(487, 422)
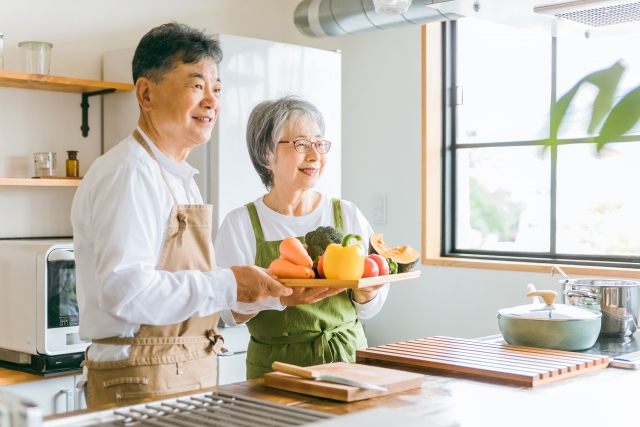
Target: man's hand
point(308, 295)
point(255, 283)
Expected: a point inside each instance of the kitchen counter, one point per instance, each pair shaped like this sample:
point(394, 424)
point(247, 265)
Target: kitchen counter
point(11, 377)
point(605, 397)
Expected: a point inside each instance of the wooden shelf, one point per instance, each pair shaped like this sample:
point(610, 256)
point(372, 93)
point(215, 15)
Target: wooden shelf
point(29, 182)
point(58, 84)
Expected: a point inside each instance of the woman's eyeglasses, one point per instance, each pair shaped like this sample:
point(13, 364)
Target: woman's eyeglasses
point(303, 146)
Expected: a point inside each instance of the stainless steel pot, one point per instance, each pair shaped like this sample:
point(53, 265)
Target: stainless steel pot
point(618, 300)
point(558, 327)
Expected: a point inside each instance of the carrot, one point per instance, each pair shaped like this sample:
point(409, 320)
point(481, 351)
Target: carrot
point(292, 250)
point(284, 269)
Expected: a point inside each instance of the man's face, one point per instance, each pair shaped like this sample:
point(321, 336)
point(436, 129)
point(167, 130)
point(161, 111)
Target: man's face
point(186, 103)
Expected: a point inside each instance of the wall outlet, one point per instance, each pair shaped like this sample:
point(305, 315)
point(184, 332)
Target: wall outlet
point(380, 209)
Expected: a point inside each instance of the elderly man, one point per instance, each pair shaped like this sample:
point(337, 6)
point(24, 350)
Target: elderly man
point(148, 289)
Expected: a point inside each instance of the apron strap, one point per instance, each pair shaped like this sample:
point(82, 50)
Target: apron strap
point(138, 137)
point(152, 340)
point(255, 222)
point(337, 214)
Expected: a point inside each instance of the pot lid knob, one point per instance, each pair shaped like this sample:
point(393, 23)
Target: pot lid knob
point(548, 296)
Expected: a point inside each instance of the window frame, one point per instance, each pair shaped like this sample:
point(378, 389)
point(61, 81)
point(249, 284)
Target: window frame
point(438, 172)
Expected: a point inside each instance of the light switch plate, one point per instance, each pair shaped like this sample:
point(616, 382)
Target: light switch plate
point(380, 209)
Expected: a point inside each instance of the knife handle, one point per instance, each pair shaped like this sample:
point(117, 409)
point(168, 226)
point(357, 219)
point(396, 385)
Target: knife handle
point(295, 370)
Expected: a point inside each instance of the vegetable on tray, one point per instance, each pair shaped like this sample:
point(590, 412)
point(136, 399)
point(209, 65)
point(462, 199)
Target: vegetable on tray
point(393, 266)
point(344, 261)
point(285, 269)
point(383, 265)
point(404, 256)
point(318, 267)
point(294, 251)
point(370, 268)
point(318, 240)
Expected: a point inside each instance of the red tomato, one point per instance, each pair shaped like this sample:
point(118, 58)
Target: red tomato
point(370, 268)
point(383, 265)
point(321, 267)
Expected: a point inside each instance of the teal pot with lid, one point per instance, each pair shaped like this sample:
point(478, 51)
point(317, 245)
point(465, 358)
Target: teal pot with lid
point(549, 325)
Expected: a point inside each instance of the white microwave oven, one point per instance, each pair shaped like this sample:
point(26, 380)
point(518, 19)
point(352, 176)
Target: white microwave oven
point(39, 306)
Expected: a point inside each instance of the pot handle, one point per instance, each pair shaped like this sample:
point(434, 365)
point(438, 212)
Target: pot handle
point(580, 293)
point(548, 296)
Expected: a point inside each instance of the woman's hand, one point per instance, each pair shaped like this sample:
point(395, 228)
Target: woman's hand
point(308, 295)
point(364, 295)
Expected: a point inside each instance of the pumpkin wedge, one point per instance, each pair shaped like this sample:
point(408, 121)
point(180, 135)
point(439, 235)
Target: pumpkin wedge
point(405, 256)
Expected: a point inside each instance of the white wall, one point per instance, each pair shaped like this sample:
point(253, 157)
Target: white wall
point(381, 129)
point(81, 31)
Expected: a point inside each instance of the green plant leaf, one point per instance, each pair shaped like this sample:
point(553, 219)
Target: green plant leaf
point(607, 81)
point(559, 109)
point(624, 115)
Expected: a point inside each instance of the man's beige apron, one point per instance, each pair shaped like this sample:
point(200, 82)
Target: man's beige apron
point(172, 358)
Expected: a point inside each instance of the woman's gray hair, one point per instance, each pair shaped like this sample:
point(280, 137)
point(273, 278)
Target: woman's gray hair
point(267, 123)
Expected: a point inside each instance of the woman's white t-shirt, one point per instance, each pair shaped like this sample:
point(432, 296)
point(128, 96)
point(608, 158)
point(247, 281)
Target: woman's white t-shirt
point(236, 245)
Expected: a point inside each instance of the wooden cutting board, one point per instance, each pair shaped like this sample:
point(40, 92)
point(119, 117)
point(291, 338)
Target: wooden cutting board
point(393, 380)
point(525, 365)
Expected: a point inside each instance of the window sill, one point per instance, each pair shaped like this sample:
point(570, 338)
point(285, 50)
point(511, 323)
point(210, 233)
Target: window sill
point(532, 267)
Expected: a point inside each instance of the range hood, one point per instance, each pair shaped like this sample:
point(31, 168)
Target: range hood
point(593, 13)
point(575, 18)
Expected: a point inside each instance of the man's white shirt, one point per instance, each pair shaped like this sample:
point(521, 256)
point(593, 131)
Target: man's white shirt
point(119, 216)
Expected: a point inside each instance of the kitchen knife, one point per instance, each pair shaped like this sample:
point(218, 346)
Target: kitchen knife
point(314, 375)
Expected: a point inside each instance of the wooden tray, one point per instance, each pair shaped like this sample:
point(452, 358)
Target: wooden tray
point(525, 365)
point(352, 284)
point(393, 380)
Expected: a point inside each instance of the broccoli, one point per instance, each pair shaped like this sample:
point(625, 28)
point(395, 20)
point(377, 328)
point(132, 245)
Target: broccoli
point(318, 240)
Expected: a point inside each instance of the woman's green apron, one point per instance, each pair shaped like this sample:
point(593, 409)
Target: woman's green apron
point(305, 335)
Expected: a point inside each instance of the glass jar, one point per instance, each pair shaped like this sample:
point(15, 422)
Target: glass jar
point(45, 164)
point(35, 57)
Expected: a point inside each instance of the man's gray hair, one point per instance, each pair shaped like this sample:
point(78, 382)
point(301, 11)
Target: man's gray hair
point(267, 124)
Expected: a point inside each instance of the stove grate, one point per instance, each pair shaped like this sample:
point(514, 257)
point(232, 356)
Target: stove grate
point(206, 409)
point(217, 409)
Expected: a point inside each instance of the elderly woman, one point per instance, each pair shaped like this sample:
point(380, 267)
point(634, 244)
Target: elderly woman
point(312, 326)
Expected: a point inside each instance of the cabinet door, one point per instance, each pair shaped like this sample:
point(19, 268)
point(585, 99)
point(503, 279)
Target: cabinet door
point(232, 368)
point(54, 395)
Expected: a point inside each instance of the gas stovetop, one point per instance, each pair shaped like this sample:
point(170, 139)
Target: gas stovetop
point(616, 346)
point(623, 351)
point(205, 409)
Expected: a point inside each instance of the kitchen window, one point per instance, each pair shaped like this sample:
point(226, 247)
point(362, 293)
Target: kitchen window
point(505, 196)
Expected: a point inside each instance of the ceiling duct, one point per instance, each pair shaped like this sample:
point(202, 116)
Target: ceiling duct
point(595, 13)
point(332, 18)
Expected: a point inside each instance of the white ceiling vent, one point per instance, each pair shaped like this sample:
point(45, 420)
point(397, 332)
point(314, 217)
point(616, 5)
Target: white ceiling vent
point(603, 16)
point(595, 13)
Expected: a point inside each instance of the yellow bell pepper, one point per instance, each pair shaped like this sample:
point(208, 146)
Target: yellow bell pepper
point(344, 262)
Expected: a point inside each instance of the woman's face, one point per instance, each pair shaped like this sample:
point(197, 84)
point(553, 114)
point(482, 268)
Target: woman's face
point(293, 170)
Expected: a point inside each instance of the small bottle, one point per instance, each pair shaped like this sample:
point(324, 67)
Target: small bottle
point(1, 50)
point(73, 165)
